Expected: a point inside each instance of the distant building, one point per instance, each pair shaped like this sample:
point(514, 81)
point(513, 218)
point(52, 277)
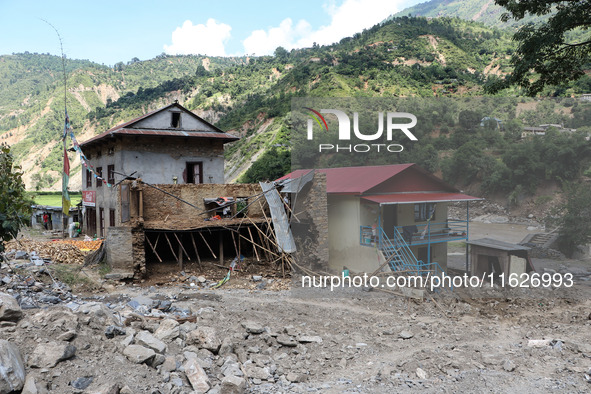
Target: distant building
point(167, 146)
point(586, 97)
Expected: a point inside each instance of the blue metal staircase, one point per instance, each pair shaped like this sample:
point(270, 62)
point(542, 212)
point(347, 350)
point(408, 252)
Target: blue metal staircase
point(397, 252)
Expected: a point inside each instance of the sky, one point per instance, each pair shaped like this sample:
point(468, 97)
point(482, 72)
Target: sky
point(109, 31)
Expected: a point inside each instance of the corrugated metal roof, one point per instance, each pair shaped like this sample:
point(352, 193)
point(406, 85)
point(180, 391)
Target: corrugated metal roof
point(123, 129)
point(496, 244)
point(285, 240)
point(295, 185)
point(354, 180)
point(415, 198)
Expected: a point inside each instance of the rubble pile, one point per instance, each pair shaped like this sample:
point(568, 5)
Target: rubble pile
point(58, 252)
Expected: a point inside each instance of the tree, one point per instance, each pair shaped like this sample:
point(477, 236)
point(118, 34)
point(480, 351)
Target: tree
point(575, 222)
point(551, 52)
point(14, 205)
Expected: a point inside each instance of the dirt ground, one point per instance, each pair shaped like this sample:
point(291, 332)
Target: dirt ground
point(352, 341)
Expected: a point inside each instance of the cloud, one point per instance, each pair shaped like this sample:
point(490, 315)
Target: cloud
point(208, 39)
point(351, 17)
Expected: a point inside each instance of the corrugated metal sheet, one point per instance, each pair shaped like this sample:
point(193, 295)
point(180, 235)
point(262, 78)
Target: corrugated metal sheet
point(283, 233)
point(496, 244)
point(295, 185)
point(409, 198)
point(354, 180)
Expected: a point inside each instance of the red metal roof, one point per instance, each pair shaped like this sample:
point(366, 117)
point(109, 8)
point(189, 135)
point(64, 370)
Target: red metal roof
point(354, 180)
point(415, 198)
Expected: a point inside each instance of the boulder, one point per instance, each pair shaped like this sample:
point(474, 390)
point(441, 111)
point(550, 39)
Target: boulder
point(252, 327)
point(168, 330)
point(47, 355)
point(233, 385)
point(34, 387)
point(204, 337)
point(138, 354)
point(12, 368)
point(148, 340)
point(9, 308)
point(197, 376)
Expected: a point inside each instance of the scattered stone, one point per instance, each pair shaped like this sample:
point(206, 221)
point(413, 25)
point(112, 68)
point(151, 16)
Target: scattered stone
point(67, 336)
point(286, 340)
point(421, 374)
point(296, 377)
point(158, 359)
point(168, 330)
point(148, 340)
point(310, 339)
point(201, 279)
point(254, 372)
point(47, 355)
point(233, 385)
point(197, 376)
point(405, 335)
point(82, 382)
point(12, 368)
point(138, 354)
point(32, 387)
point(509, 366)
point(257, 278)
point(112, 330)
point(9, 308)
point(227, 347)
point(252, 327)
point(205, 337)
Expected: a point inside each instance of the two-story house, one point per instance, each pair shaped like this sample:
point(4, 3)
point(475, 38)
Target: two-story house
point(167, 146)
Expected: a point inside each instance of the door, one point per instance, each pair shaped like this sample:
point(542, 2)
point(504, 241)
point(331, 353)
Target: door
point(102, 221)
point(91, 221)
point(195, 172)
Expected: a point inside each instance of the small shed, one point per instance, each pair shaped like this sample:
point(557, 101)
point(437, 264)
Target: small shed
point(489, 255)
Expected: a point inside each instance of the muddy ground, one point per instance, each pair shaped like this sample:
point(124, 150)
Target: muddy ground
point(269, 338)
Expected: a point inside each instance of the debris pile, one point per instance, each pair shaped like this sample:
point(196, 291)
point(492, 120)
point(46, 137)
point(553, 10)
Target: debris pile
point(57, 252)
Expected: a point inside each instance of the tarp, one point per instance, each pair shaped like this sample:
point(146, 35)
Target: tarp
point(283, 233)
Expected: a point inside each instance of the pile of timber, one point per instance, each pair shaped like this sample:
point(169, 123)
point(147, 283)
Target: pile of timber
point(57, 252)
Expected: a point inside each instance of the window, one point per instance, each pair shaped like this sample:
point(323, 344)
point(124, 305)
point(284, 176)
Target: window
point(111, 173)
point(88, 178)
point(424, 212)
point(99, 153)
point(195, 172)
point(111, 218)
point(175, 120)
point(99, 173)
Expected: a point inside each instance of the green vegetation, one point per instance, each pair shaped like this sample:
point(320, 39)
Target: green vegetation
point(53, 199)
point(14, 205)
point(574, 218)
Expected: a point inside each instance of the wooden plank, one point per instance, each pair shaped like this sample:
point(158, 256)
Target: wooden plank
point(182, 247)
point(171, 248)
point(196, 251)
point(209, 247)
point(153, 247)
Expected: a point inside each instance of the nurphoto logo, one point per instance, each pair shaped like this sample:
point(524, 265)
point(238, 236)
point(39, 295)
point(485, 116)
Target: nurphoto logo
point(393, 125)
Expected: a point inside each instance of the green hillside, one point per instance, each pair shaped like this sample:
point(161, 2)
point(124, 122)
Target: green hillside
point(251, 96)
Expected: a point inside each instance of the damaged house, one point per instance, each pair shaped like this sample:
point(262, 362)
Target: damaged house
point(162, 196)
point(364, 217)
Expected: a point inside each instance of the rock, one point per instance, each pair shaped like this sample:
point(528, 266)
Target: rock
point(12, 368)
point(231, 368)
point(295, 377)
point(257, 278)
point(197, 376)
point(201, 279)
point(538, 342)
point(509, 366)
point(33, 387)
point(227, 347)
point(126, 390)
point(109, 388)
point(158, 359)
point(112, 330)
point(252, 327)
point(9, 308)
point(406, 335)
point(169, 364)
point(67, 336)
point(168, 330)
point(82, 382)
point(286, 340)
point(233, 385)
point(148, 340)
point(254, 372)
point(47, 355)
point(141, 300)
point(309, 339)
point(205, 337)
point(421, 374)
point(138, 354)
